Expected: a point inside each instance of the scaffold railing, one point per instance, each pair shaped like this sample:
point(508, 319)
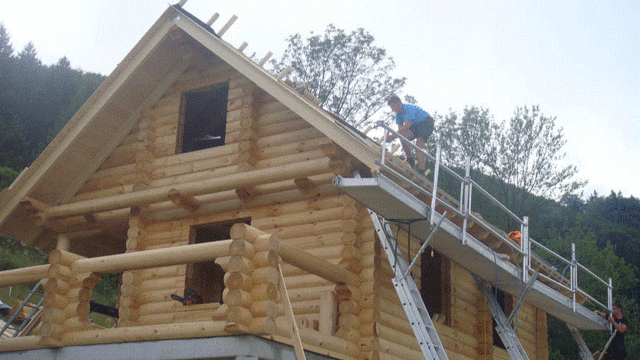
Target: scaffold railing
point(527, 249)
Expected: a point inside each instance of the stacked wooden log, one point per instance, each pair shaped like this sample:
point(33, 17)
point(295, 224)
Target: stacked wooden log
point(251, 281)
point(131, 280)
point(370, 303)
point(350, 297)
point(531, 330)
point(484, 330)
point(66, 303)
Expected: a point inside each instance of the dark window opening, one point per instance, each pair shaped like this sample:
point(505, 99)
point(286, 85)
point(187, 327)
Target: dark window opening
point(434, 285)
point(505, 302)
point(207, 278)
point(203, 119)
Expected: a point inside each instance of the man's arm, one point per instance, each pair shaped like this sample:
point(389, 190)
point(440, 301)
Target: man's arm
point(620, 327)
point(404, 127)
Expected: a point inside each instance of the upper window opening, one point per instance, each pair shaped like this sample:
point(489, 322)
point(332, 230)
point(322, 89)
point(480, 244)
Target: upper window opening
point(204, 118)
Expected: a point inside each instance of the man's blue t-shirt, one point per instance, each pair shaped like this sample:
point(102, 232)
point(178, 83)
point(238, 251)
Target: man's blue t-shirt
point(411, 112)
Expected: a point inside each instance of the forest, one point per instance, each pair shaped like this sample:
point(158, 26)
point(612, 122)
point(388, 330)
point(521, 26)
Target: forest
point(37, 100)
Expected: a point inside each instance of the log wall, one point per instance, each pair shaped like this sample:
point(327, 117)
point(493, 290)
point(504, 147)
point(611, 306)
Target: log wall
point(365, 321)
point(469, 332)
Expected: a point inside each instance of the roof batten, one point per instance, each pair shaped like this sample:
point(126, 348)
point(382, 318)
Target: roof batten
point(265, 58)
point(213, 19)
point(227, 25)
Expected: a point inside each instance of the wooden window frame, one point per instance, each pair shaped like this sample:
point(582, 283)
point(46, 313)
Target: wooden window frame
point(203, 118)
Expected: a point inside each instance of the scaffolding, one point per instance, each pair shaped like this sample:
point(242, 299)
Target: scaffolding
point(521, 268)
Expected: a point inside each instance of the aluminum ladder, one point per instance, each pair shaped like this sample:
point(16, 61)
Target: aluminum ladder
point(505, 331)
point(28, 319)
point(407, 290)
point(583, 350)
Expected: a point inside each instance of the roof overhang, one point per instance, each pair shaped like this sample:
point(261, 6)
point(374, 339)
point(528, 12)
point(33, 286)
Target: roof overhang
point(112, 111)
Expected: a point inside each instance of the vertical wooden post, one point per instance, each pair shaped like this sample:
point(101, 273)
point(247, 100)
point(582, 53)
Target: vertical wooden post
point(63, 243)
point(328, 313)
point(295, 333)
point(128, 300)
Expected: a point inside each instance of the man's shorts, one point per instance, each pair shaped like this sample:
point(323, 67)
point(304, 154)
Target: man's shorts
point(423, 129)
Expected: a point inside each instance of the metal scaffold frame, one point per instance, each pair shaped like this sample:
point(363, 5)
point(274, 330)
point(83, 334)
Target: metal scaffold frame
point(527, 244)
point(389, 201)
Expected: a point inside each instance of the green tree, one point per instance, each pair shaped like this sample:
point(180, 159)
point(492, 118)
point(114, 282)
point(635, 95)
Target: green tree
point(346, 71)
point(36, 101)
point(522, 154)
point(604, 262)
point(29, 54)
point(7, 175)
point(6, 50)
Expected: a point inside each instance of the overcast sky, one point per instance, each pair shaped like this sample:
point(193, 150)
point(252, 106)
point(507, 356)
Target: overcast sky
point(578, 60)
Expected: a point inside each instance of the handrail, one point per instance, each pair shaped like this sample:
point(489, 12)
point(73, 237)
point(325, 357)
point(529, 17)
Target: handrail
point(466, 190)
point(551, 252)
point(592, 274)
point(495, 201)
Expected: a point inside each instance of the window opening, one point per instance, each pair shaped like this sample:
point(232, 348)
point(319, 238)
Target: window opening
point(207, 278)
point(505, 301)
point(203, 119)
point(434, 285)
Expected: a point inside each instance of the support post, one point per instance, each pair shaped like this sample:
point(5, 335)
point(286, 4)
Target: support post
point(63, 243)
point(434, 194)
point(526, 249)
point(467, 199)
point(295, 333)
point(610, 295)
point(574, 275)
point(384, 146)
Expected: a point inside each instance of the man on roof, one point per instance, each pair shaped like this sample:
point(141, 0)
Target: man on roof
point(413, 123)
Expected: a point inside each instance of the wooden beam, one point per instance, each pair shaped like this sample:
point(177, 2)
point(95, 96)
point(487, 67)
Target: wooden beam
point(146, 333)
point(265, 58)
point(31, 204)
point(154, 258)
point(284, 72)
point(213, 19)
point(21, 276)
point(317, 266)
point(223, 183)
point(328, 313)
point(305, 184)
point(187, 203)
point(295, 333)
point(63, 243)
point(227, 25)
point(246, 194)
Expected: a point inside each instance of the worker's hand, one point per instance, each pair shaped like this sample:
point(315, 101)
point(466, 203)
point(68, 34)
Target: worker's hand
point(611, 319)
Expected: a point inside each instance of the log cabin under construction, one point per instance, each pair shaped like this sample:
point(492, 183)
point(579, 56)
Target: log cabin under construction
point(192, 166)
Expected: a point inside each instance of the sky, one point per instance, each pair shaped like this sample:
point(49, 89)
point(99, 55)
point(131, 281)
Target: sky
point(578, 60)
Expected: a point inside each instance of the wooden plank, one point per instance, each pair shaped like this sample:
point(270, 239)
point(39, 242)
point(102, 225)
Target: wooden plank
point(295, 333)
